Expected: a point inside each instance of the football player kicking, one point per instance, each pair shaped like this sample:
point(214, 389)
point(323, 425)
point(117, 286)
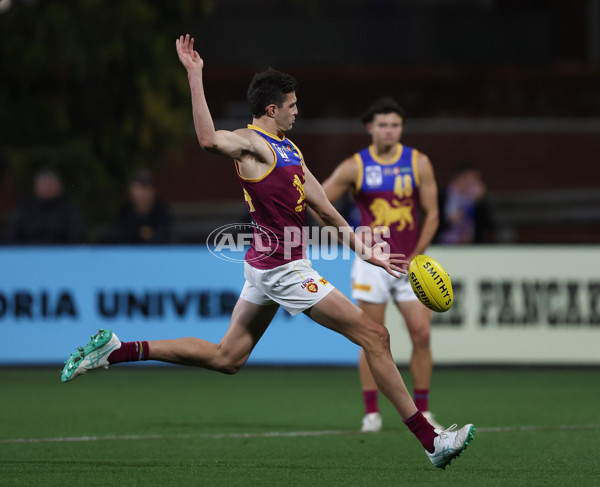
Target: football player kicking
point(277, 186)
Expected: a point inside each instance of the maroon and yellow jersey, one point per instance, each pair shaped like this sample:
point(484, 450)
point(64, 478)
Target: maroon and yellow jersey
point(276, 204)
point(387, 194)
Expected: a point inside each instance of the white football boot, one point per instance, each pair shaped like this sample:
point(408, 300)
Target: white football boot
point(449, 444)
point(371, 423)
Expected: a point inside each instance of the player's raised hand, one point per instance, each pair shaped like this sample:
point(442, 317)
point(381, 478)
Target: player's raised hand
point(394, 264)
point(188, 57)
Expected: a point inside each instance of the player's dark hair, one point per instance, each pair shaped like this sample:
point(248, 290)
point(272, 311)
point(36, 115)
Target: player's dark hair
point(383, 106)
point(269, 87)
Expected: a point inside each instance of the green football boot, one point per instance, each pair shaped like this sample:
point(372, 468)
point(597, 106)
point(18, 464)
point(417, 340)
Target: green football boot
point(93, 356)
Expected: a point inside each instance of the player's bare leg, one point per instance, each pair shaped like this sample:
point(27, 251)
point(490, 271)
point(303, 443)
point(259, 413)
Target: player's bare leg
point(338, 313)
point(376, 312)
point(248, 323)
point(418, 323)
point(371, 422)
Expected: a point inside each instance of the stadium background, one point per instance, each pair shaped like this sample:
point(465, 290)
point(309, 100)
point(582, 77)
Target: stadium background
point(94, 89)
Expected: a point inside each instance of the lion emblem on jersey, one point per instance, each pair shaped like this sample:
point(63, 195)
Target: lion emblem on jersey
point(299, 185)
point(387, 214)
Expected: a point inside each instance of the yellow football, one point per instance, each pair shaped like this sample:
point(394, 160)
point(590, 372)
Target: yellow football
point(431, 283)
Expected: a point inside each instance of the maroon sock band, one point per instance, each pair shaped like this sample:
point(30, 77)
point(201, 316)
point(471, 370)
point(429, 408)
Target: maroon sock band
point(421, 428)
point(130, 352)
point(370, 398)
point(421, 399)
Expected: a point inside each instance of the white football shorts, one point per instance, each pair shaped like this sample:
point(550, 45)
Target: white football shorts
point(374, 285)
point(296, 286)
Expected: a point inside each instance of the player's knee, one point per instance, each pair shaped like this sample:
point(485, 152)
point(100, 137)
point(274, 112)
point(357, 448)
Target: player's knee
point(378, 338)
point(422, 337)
point(229, 364)
point(232, 366)
point(230, 369)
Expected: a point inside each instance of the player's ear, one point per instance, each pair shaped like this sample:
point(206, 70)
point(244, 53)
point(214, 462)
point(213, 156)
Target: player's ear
point(270, 110)
point(369, 127)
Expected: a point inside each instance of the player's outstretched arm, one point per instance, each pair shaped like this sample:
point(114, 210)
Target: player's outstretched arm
point(326, 212)
point(428, 201)
point(222, 142)
point(341, 180)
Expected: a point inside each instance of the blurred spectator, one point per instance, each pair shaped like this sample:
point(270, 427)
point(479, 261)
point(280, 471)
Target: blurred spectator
point(48, 217)
point(145, 219)
point(465, 214)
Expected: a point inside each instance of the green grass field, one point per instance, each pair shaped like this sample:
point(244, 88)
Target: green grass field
point(289, 427)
